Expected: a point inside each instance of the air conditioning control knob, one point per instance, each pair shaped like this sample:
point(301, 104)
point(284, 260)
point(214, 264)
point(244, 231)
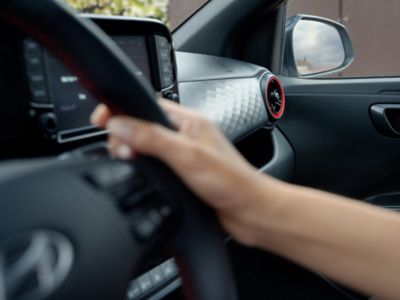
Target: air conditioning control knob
point(49, 122)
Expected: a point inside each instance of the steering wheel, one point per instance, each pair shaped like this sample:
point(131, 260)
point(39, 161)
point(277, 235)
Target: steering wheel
point(71, 206)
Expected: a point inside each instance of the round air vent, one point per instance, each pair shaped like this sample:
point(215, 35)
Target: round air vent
point(274, 97)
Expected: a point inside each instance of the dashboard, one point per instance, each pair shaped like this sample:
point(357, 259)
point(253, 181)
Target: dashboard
point(60, 102)
point(46, 108)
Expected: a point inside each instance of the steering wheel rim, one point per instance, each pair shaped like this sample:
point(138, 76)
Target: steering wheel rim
point(106, 72)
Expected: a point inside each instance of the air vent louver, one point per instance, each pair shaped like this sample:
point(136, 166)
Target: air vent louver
point(274, 97)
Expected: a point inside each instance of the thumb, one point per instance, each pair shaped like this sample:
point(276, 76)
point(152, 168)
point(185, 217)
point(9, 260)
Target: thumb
point(148, 139)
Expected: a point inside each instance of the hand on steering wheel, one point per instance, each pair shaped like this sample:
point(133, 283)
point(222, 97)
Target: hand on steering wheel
point(199, 153)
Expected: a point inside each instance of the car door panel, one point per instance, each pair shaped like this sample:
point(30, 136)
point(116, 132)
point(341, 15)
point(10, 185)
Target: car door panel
point(337, 146)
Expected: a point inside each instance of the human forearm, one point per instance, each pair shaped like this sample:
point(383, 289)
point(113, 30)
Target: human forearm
point(351, 242)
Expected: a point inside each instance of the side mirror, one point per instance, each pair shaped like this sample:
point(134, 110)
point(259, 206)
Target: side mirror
point(316, 47)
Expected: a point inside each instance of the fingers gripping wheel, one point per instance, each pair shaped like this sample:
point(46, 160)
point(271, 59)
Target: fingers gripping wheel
point(110, 75)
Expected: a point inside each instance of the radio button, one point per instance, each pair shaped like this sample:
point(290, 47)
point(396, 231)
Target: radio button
point(40, 97)
point(49, 122)
point(38, 85)
point(31, 46)
point(166, 69)
point(36, 78)
point(34, 61)
point(39, 94)
point(165, 56)
point(32, 50)
point(162, 42)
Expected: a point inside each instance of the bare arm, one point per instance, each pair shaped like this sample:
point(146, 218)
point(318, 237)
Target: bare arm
point(353, 243)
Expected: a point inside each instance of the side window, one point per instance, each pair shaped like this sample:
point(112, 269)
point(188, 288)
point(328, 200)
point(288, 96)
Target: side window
point(374, 28)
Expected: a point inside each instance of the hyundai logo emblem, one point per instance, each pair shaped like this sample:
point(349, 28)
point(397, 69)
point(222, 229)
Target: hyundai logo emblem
point(33, 264)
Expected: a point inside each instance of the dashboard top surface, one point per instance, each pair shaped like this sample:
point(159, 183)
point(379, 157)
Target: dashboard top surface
point(198, 67)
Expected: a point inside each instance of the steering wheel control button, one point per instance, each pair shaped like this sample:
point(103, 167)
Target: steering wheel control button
point(145, 283)
point(110, 175)
point(150, 222)
point(134, 291)
point(131, 201)
point(169, 268)
point(147, 226)
point(157, 276)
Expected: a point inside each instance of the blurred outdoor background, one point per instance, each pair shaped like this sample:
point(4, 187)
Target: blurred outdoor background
point(138, 8)
point(171, 12)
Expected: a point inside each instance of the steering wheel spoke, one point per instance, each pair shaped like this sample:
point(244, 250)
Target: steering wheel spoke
point(151, 216)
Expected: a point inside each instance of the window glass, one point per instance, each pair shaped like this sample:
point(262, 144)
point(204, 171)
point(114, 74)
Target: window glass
point(171, 12)
point(374, 27)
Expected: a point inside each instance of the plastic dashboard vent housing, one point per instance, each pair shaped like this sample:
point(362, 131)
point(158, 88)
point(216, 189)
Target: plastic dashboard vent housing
point(274, 96)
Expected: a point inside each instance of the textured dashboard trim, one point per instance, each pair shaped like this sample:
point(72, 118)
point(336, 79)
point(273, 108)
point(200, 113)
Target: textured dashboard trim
point(235, 105)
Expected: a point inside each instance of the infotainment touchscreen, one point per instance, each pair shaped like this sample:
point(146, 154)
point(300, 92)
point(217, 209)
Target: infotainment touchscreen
point(73, 104)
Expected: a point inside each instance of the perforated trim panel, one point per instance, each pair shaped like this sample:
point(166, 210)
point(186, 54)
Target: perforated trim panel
point(235, 105)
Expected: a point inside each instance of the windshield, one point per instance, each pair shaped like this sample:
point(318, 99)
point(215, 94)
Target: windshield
point(171, 12)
